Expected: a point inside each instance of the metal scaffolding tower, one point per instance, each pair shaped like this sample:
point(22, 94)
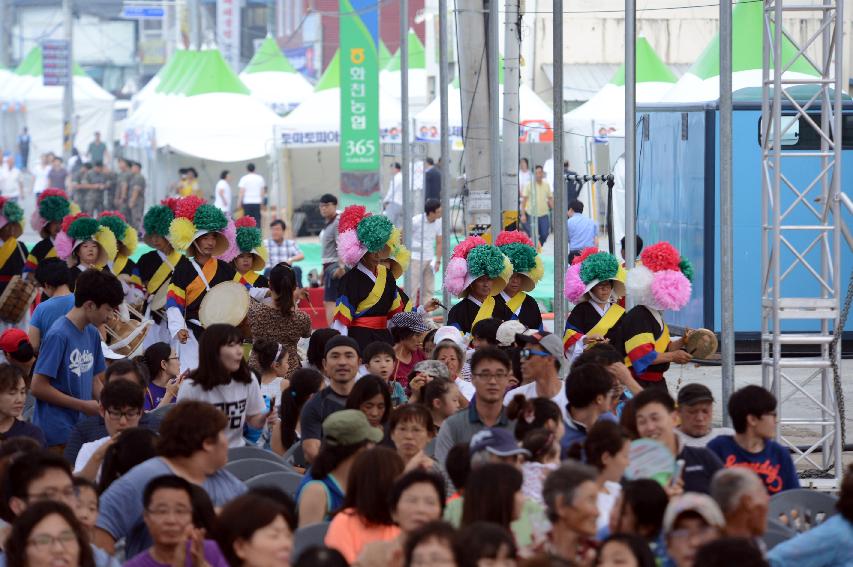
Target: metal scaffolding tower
point(801, 229)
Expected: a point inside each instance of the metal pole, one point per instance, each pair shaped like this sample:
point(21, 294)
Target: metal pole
point(494, 124)
point(5, 31)
point(68, 91)
point(443, 80)
point(630, 133)
point(404, 118)
point(561, 250)
point(195, 23)
point(510, 150)
point(727, 293)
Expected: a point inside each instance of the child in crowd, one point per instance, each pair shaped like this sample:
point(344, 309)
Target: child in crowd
point(13, 395)
point(372, 396)
point(544, 448)
point(379, 360)
point(87, 504)
point(304, 383)
point(273, 362)
point(753, 412)
point(163, 366)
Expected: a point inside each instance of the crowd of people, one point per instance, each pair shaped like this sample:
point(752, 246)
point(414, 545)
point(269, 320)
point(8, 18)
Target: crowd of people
point(483, 440)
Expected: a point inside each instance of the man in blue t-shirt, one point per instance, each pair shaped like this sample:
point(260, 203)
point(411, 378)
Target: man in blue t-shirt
point(753, 413)
point(67, 375)
point(54, 277)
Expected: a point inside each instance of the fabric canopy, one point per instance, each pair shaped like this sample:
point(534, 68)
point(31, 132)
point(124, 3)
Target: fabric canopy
point(389, 76)
point(186, 113)
point(273, 80)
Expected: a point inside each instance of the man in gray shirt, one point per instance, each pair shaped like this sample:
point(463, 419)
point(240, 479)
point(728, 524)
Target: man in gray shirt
point(490, 372)
point(333, 269)
point(90, 191)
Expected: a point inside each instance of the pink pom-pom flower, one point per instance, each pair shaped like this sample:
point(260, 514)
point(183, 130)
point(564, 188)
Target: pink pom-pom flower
point(670, 290)
point(36, 221)
point(64, 245)
point(463, 248)
point(574, 287)
point(454, 276)
point(350, 248)
point(230, 234)
point(512, 237)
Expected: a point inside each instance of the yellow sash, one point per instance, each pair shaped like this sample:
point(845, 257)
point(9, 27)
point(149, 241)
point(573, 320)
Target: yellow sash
point(663, 341)
point(515, 302)
point(375, 294)
point(163, 272)
point(119, 264)
point(611, 317)
point(7, 249)
point(485, 311)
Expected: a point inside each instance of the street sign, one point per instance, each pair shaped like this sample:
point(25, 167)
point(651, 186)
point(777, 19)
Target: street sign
point(142, 13)
point(56, 62)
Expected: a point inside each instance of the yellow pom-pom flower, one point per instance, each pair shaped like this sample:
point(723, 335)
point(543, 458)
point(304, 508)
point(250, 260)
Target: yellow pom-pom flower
point(131, 239)
point(181, 233)
point(73, 209)
point(263, 253)
point(395, 239)
point(107, 240)
point(506, 274)
point(403, 256)
point(538, 270)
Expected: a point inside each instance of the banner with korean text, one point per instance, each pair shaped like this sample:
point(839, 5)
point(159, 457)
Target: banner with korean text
point(359, 142)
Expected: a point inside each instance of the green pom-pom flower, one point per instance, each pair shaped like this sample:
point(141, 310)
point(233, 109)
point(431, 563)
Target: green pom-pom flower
point(157, 220)
point(374, 232)
point(116, 225)
point(601, 266)
point(208, 217)
point(485, 260)
point(523, 257)
point(83, 229)
point(54, 209)
point(686, 268)
point(13, 212)
point(248, 238)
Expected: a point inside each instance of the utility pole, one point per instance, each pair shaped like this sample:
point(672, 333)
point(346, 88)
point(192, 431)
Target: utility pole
point(561, 245)
point(68, 125)
point(474, 92)
point(494, 120)
point(5, 32)
point(509, 175)
point(404, 118)
point(727, 294)
point(443, 81)
point(630, 133)
point(195, 23)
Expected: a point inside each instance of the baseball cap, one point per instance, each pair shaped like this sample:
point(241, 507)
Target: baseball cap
point(498, 442)
point(549, 341)
point(341, 340)
point(701, 504)
point(11, 340)
point(350, 427)
point(507, 331)
point(409, 320)
point(329, 198)
point(434, 368)
point(448, 333)
point(694, 394)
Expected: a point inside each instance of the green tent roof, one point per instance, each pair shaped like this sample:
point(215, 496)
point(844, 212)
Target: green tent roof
point(31, 65)
point(202, 72)
point(384, 54)
point(173, 70)
point(269, 57)
point(331, 78)
point(417, 56)
point(650, 68)
point(747, 32)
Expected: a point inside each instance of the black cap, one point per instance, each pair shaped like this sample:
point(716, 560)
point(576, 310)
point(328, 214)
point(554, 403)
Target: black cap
point(694, 394)
point(341, 340)
point(329, 198)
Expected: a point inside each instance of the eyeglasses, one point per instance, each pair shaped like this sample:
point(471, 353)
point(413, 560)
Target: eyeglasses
point(527, 353)
point(118, 414)
point(488, 377)
point(54, 495)
point(44, 542)
point(179, 512)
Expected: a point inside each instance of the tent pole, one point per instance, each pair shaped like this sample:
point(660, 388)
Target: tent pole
point(444, 161)
point(630, 134)
point(561, 244)
point(727, 296)
point(68, 127)
point(404, 142)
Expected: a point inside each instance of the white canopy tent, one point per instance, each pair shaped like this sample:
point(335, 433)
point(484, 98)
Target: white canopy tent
point(273, 80)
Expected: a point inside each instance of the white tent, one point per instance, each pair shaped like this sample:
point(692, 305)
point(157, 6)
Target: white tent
point(39, 107)
point(390, 75)
point(273, 80)
point(205, 113)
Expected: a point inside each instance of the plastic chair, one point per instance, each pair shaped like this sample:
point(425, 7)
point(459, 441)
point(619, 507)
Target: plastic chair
point(241, 453)
point(801, 508)
point(309, 536)
point(776, 533)
point(294, 457)
point(248, 468)
point(288, 481)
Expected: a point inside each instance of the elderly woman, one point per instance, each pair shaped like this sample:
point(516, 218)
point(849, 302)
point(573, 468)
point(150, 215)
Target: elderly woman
point(407, 330)
point(452, 355)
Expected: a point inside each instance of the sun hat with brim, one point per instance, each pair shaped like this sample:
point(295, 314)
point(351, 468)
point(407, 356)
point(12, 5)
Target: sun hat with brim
point(474, 258)
point(521, 252)
point(247, 237)
point(350, 427)
point(81, 228)
point(449, 333)
point(589, 269)
point(697, 503)
point(360, 232)
point(409, 320)
point(193, 219)
point(11, 215)
point(399, 260)
point(498, 442)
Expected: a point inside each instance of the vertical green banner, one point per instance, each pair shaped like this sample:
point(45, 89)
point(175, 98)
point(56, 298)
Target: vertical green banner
point(359, 150)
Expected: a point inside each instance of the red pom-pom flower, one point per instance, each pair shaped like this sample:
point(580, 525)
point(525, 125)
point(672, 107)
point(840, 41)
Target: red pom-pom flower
point(350, 218)
point(69, 219)
point(512, 237)
point(114, 214)
point(186, 207)
point(586, 253)
point(245, 221)
point(52, 192)
point(660, 256)
point(463, 248)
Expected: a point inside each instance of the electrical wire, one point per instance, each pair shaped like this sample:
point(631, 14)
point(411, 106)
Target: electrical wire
point(620, 11)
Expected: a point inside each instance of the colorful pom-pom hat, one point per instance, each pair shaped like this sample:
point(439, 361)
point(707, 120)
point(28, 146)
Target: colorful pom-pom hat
point(360, 232)
point(126, 236)
point(11, 215)
point(53, 206)
point(157, 220)
point(80, 228)
point(663, 280)
point(521, 252)
point(195, 218)
point(474, 258)
point(249, 241)
point(590, 268)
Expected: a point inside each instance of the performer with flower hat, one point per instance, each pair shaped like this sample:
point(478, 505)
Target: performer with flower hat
point(53, 206)
point(513, 303)
point(367, 293)
point(594, 283)
point(13, 254)
point(476, 272)
point(157, 266)
point(251, 256)
point(661, 283)
point(84, 244)
point(122, 266)
point(197, 231)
